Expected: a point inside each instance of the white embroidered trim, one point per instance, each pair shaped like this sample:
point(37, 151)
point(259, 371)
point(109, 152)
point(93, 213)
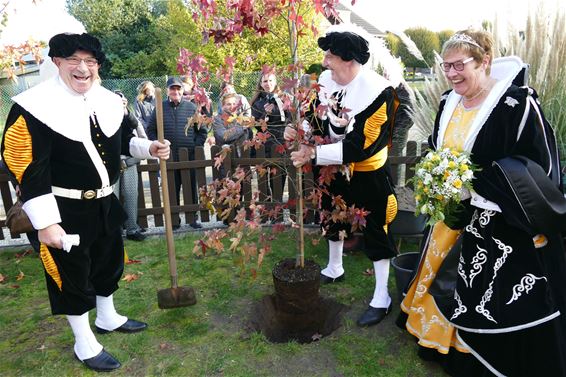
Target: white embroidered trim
point(477, 356)
point(461, 271)
point(509, 329)
point(485, 217)
point(461, 307)
point(477, 263)
point(511, 101)
point(470, 228)
point(525, 285)
point(489, 292)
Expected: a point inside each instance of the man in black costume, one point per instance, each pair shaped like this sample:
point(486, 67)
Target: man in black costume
point(360, 107)
point(62, 144)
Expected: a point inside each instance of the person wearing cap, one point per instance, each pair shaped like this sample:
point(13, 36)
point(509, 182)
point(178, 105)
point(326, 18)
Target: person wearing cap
point(62, 144)
point(359, 109)
point(176, 113)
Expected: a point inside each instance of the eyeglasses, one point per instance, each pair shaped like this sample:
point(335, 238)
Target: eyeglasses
point(73, 60)
point(458, 66)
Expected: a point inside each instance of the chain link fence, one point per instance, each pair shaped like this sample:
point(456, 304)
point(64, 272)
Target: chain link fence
point(244, 82)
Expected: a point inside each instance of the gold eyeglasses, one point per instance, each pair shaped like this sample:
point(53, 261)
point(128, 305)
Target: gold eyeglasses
point(73, 60)
point(458, 66)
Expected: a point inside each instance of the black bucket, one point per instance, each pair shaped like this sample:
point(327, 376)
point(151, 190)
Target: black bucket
point(403, 265)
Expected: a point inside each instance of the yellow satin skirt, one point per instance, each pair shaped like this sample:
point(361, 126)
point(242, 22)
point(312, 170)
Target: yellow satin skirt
point(424, 319)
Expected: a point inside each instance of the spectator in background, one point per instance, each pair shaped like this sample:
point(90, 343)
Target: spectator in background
point(227, 129)
point(267, 106)
point(243, 104)
point(204, 108)
point(177, 112)
point(126, 189)
point(145, 102)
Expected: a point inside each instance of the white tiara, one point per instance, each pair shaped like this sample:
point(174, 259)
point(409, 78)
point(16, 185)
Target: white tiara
point(459, 37)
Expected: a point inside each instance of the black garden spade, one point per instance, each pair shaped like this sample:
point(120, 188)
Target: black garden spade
point(175, 296)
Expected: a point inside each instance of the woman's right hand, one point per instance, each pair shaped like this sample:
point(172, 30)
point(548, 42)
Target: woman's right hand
point(51, 236)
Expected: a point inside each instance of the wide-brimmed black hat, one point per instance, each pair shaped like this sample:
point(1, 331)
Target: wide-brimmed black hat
point(66, 44)
point(348, 46)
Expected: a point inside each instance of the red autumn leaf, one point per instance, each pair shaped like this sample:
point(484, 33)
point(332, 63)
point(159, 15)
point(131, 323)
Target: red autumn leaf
point(131, 277)
point(280, 148)
point(338, 202)
point(327, 174)
point(2, 279)
point(267, 69)
point(134, 261)
point(278, 227)
point(15, 286)
point(25, 253)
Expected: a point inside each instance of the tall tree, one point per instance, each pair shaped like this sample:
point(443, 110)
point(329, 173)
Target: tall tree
point(443, 36)
point(426, 41)
point(129, 33)
point(143, 37)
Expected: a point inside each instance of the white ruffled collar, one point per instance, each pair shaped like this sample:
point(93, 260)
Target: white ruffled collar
point(504, 70)
point(358, 94)
point(67, 112)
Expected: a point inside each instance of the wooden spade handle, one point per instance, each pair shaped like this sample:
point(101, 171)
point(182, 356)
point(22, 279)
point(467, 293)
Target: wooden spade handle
point(165, 192)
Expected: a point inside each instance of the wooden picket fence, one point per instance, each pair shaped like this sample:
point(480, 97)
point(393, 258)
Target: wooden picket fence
point(150, 200)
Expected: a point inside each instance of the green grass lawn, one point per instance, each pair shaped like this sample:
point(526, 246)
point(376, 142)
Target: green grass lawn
point(208, 339)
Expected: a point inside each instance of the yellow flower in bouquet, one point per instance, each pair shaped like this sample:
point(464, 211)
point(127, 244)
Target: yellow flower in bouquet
point(440, 179)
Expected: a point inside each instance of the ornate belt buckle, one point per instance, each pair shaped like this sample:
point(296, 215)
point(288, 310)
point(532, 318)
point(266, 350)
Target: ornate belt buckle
point(90, 194)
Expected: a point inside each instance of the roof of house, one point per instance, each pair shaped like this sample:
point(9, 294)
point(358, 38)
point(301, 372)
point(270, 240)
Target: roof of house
point(356, 19)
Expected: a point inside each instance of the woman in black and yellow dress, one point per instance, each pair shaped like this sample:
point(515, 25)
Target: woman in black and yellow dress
point(507, 313)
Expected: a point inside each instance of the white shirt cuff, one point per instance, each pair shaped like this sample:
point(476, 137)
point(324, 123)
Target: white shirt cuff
point(329, 154)
point(42, 211)
point(139, 148)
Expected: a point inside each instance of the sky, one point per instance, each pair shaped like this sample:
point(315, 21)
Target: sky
point(437, 15)
point(49, 17)
point(39, 22)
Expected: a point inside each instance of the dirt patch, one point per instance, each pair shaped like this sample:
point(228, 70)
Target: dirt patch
point(279, 326)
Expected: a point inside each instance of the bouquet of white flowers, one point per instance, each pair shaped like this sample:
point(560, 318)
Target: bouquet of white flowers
point(440, 179)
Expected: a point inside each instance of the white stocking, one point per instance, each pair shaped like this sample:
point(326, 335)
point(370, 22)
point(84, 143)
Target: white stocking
point(381, 297)
point(106, 316)
point(334, 268)
point(86, 345)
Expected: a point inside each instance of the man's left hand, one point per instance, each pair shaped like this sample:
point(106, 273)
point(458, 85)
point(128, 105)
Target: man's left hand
point(302, 156)
point(160, 150)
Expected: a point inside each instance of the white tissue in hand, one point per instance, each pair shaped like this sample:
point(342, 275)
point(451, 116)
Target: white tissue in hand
point(70, 240)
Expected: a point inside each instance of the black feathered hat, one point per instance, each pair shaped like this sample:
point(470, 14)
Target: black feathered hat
point(66, 44)
point(348, 46)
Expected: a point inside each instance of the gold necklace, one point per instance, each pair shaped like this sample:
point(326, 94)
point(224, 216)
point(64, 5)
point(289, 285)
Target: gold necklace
point(468, 99)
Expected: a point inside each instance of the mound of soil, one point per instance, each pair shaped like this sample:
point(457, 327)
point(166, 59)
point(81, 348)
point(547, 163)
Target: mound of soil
point(296, 311)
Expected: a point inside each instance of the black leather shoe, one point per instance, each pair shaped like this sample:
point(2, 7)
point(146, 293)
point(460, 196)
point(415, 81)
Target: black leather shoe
point(328, 280)
point(195, 225)
point(372, 316)
point(130, 326)
point(103, 362)
point(136, 236)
